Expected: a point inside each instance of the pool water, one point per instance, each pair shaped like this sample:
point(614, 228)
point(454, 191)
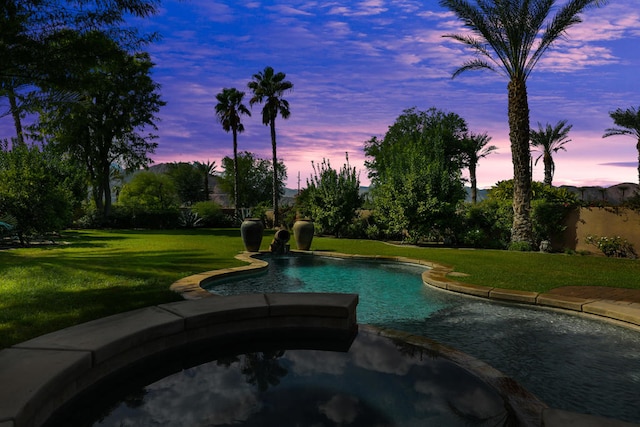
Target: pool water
point(570, 362)
point(385, 292)
point(378, 382)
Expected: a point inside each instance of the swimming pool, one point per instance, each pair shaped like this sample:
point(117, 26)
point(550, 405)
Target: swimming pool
point(570, 362)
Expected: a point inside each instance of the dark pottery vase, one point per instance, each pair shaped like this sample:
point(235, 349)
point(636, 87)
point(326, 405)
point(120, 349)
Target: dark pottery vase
point(251, 231)
point(303, 233)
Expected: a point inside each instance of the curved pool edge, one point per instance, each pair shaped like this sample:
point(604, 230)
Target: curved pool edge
point(437, 275)
point(42, 375)
point(529, 410)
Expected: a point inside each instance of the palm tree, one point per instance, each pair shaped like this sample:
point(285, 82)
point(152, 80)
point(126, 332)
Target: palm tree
point(550, 140)
point(228, 110)
point(269, 87)
point(206, 168)
point(475, 148)
point(629, 124)
point(510, 37)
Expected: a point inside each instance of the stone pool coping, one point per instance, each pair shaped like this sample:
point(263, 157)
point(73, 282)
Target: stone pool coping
point(39, 376)
point(439, 276)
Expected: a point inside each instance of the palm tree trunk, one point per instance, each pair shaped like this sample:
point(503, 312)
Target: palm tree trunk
point(474, 184)
point(235, 171)
point(13, 104)
point(548, 169)
point(276, 219)
point(638, 148)
point(521, 157)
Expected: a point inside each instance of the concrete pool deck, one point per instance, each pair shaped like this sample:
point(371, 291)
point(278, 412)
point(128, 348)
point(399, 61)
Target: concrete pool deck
point(40, 375)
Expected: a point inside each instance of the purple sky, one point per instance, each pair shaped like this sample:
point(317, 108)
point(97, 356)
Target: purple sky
point(357, 65)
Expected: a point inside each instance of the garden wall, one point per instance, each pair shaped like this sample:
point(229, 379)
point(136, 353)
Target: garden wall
point(609, 222)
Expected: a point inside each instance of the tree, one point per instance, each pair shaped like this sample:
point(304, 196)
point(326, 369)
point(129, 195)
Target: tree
point(150, 200)
point(333, 196)
point(228, 110)
point(629, 124)
point(43, 42)
point(206, 169)
point(511, 37)
point(34, 190)
point(550, 140)
point(269, 87)
point(187, 180)
point(254, 186)
point(474, 148)
point(415, 173)
point(119, 102)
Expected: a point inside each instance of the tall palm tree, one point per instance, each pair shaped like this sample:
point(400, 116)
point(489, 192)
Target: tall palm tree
point(228, 110)
point(269, 87)
point(629, 124)
point(550, 140)
point(510, 37)
point(475, 148)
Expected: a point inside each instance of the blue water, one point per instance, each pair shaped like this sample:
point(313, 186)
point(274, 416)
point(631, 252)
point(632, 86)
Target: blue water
point(570, 362)
point(310, 388)
point(385, 293)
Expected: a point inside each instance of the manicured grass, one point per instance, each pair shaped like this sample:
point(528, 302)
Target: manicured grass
point(530, 271)
point(98, 273)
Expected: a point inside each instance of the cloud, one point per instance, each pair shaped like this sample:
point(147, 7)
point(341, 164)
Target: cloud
point(288, 10)
point(621, 164)
point(357, 65)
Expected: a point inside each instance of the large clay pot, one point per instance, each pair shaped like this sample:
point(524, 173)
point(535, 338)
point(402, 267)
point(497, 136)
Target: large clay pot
point(251, 231)
point(303, 233)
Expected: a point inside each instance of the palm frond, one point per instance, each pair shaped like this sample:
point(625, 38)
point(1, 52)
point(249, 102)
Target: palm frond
point(567, 17)
point(474, 64)
point(627, 120)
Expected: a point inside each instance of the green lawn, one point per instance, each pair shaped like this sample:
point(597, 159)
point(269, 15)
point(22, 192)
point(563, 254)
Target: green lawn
point(91, 274)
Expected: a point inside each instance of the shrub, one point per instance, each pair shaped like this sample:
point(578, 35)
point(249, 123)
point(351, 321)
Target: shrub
point(189, 219)
point(486, 224)
point(615, 247)
point(549, 207)
point(520, 246)
point(211, 215)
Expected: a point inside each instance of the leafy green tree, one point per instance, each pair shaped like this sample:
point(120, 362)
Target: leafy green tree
point(474, 148)
point(628, 122)
point(254, 179)
point(188, 182)
point(511, 37)
point(269, 87)
point(416, 174)
point(151, 200)
point(333, 196)
point(111, 125)
point(228, 110)
point(550, 140)
point(34, 190)
point(44, 43)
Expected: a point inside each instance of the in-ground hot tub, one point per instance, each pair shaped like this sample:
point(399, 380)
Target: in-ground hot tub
point(252, 339)
point(382, 378)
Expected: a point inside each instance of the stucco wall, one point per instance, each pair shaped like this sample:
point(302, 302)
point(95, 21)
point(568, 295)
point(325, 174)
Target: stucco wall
point(608, 222)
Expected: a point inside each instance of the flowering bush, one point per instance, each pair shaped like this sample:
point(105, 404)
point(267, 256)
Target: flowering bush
point(616, 247)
